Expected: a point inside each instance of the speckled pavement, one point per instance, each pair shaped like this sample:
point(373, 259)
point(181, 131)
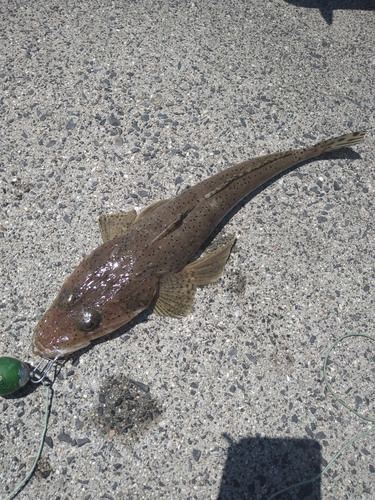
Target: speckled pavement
point(106, 106)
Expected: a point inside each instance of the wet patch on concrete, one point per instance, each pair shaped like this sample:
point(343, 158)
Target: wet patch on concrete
point(126, 408)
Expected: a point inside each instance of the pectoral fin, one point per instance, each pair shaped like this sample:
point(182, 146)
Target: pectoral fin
point(176, 295)
point(177, 291)
point(113, 225)
point(208, 269)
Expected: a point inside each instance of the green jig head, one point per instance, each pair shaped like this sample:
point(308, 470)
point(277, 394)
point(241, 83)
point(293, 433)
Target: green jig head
point(13, 375)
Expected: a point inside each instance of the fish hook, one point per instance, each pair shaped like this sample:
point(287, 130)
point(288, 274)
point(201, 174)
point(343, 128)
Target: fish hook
point(35, 377)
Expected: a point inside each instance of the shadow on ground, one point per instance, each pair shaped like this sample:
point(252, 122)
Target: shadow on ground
point(327, 7)
point(258, 467)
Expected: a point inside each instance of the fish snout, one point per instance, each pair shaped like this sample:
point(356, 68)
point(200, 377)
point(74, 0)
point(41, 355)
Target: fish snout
point(39, 349)
point(50, 340)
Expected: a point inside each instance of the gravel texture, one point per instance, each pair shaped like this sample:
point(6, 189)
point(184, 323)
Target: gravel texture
point(110, 105)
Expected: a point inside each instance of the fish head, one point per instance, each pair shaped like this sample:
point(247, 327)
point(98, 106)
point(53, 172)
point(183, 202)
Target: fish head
point(100, 296)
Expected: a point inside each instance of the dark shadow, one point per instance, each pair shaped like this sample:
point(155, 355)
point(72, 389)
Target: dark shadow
point(25, 391)
point(258, 467)
point(327, 7)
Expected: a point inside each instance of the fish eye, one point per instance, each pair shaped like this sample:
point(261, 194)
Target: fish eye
point(68, 297)
point(88, 320)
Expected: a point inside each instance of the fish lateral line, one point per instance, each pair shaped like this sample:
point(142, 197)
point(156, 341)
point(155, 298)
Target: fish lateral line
point(299, 155)
point(250, 170)
point(172, 226)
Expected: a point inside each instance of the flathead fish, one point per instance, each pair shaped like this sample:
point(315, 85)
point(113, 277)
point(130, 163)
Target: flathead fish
point(144, 261)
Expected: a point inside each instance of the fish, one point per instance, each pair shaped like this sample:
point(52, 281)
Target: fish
point(145, 260)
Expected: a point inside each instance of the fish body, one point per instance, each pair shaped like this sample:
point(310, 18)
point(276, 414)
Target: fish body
point(144, 260)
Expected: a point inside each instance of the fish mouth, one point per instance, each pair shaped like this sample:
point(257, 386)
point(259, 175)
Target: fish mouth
point(40, 350)
point(55, 352)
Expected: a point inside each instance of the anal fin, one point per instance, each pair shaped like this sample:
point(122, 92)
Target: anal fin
point(177, 291)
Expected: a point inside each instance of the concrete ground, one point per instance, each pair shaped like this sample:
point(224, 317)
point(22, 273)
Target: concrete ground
point(111, 105)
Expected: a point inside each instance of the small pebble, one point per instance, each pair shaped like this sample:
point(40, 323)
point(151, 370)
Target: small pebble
point(112, 120)
point(196, 454)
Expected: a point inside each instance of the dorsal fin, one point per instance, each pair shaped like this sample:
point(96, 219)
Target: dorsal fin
point(150, 209)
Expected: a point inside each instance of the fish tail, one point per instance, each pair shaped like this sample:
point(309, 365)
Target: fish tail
point(343, 141)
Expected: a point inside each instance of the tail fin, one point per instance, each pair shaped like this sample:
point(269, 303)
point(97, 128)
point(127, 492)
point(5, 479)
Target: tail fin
point(343, 141)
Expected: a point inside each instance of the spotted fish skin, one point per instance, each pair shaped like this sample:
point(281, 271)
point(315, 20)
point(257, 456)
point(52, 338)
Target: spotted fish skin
point(144, 260)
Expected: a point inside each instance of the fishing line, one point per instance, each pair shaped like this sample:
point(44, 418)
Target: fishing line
point(48, 403)
point(363, 417)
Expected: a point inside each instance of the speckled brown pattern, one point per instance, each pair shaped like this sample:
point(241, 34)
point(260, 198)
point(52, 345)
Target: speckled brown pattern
point(126, 274)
